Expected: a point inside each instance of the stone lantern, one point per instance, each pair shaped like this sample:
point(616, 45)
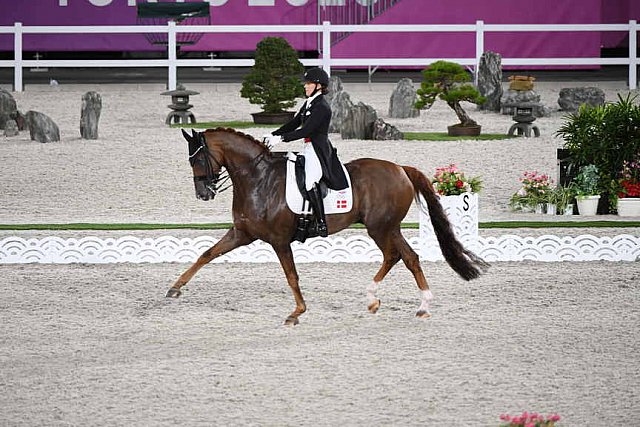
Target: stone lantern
point(180, 105)
point(523, 116)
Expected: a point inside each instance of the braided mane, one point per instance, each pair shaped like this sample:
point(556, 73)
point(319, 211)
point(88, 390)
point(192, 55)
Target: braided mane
point(242, 134)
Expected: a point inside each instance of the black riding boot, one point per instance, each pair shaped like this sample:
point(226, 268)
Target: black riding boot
point(302, 229)
point(318, 210)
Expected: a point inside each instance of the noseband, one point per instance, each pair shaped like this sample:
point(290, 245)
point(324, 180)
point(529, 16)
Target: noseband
point(213, 180)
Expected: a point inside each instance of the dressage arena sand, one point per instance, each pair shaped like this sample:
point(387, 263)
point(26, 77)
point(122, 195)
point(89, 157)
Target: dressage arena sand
point(100, 345)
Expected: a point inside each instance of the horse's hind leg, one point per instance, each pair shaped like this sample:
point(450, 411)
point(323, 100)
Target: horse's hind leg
point(412, 261)
point(231, 240)
point(391, 256)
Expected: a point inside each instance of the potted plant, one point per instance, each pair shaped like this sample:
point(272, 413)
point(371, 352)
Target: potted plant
point(274, 81)
point(563, 197)
point(586, 188)
point(529, 419)
point(533, 194)
point(628, 203)
point(448, 81)
point(605, 136)
point(450, 181)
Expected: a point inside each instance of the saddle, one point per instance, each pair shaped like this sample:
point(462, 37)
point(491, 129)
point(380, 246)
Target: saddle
point(298, 201)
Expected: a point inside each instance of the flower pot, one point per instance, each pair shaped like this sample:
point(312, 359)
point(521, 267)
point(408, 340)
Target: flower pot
point(459, 130)
point(629, 206)
point(587, 205)
point(539, 208)
point(568, 210)
point(263, 118)
point(551, 209)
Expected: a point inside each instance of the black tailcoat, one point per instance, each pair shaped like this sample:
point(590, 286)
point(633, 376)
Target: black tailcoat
point(313, 123)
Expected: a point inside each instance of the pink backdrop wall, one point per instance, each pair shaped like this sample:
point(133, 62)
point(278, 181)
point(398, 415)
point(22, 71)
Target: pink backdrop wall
point(245, 12)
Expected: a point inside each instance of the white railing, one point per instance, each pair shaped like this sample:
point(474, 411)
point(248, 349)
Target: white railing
point(325, 61)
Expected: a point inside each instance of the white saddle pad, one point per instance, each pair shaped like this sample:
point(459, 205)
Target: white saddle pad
point(336, 201)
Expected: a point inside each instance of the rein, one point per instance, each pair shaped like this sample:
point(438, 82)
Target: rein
point(217, 179)
point(214, 180)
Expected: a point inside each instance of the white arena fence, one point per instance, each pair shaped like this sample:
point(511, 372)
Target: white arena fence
point(324, 32)
point(462, 211)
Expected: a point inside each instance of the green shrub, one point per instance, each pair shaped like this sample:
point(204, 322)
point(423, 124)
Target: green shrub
point(274, 81)
point(605, 136)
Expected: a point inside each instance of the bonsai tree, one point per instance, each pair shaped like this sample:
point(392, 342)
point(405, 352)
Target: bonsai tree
point(449, 82)
point(274, 81)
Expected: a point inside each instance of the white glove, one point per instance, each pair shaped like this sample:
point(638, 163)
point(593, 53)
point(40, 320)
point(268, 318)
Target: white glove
point(271, 140)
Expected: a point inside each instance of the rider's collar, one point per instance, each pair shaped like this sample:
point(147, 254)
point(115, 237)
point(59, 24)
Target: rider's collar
point(312, 97)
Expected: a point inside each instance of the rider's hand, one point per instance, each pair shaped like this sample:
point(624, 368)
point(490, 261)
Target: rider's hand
point(271, 140)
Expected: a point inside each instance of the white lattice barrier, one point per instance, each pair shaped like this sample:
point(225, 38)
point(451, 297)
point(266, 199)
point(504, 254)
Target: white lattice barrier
point(462, 211)
point(56, 250)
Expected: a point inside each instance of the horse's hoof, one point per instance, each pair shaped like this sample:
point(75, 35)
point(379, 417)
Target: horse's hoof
point(422, 314)
point(291, 321)
point(173, 293)
point(374, 306)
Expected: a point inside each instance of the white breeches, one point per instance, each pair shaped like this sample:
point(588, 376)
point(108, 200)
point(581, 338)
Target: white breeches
point(312, 167)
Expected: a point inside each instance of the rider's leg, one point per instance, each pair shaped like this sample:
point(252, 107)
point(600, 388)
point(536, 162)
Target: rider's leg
point(313, 174)
point(318, 210)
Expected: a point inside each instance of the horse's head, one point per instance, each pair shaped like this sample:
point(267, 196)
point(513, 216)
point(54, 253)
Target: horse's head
point(206, 168)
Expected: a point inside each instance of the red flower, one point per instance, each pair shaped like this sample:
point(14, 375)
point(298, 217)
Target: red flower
point(459, 184)
point(629, 189)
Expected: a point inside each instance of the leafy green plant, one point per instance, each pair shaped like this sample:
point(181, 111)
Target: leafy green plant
point(605, 136)
point(274, 80)
point(448, 81)
point(563, 196)
point(587, 180)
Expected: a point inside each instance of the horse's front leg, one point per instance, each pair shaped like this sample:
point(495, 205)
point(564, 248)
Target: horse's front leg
point(285, 255)
point(232, 239)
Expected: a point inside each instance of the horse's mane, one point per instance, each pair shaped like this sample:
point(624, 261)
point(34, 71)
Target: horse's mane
point(241, 134)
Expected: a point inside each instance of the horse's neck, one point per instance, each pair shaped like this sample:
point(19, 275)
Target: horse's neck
point(243, 158)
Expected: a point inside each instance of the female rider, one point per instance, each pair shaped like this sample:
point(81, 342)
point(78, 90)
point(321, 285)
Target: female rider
point(321, 160)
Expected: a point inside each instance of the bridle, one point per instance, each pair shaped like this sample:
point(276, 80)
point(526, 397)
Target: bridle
point(212, 180)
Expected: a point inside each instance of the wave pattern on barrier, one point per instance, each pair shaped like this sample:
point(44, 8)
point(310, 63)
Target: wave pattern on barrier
point(95, 250)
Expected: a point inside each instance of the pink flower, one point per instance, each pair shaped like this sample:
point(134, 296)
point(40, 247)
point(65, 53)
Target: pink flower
point(530, 425)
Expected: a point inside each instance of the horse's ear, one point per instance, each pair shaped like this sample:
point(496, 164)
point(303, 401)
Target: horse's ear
point(186, 135)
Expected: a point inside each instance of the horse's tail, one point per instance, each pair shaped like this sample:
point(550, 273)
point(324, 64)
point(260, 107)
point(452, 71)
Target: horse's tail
point(464, 262)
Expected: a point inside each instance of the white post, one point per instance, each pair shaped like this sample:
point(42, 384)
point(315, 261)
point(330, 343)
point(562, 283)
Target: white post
point(633, 58)
point(173, 56)
point(326, 47)
point(479, 48)
point(17, 57)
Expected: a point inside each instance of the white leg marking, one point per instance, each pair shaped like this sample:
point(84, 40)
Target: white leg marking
point(371, 293)
point(426, 297)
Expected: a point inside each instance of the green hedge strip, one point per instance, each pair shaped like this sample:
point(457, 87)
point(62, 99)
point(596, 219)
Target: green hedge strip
point(224, 226)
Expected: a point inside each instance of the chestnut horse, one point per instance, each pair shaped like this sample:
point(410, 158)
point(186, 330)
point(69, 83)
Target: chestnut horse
point(382, 195)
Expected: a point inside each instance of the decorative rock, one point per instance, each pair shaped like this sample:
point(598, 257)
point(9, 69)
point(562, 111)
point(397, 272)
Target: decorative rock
point(8, 108)
point(90, 115)
point(403, 100)
point(571, 99)
point(335, 87)
point(358, 124)
point(511, 98)
point(41, 127)
point(490, 80)
point(340, 106)
point(10, 128)
point(384, 131)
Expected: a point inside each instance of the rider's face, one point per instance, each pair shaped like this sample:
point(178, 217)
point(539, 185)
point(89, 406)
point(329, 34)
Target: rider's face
point(309, 88)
